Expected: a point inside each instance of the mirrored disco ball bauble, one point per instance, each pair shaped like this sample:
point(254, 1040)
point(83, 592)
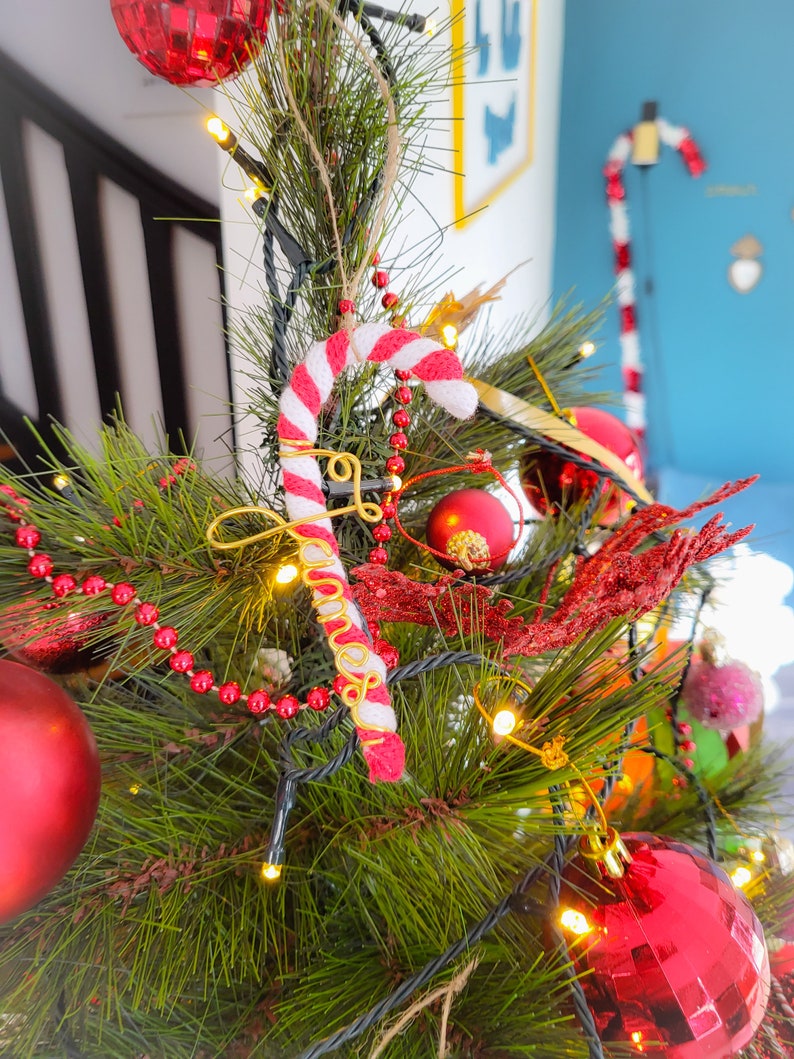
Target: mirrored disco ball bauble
point(192, 42)
point(676, 954)
point(49, 786)
point(51, 637)
point(473, 528)
point(550, 480)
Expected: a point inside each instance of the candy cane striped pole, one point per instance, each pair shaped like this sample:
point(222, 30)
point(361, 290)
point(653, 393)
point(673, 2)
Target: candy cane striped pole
point(301, 401)
point(679, 138)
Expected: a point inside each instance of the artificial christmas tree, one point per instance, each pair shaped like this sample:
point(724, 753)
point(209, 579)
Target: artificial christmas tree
point(337, 782)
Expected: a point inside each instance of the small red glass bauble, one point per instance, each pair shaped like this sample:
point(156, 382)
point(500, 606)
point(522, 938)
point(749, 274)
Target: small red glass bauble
point(202, 681)
point(473, 528)
point(49, 786)
point(192, 42)
point(675, 952)
point(550, 480)
point(723, 696)
point(51, 636)
point(287, 706)
point(318, 699)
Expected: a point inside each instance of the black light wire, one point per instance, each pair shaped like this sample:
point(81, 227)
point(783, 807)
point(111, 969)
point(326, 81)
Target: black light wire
point(292, 774)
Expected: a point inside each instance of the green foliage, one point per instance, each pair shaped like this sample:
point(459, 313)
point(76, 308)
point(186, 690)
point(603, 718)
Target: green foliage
point(163, 940)
point(313, 71)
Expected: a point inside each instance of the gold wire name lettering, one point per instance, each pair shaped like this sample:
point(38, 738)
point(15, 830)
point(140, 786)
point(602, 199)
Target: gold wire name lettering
point(348, 656)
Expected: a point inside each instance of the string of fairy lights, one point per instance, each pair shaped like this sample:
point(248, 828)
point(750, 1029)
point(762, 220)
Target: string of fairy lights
point(600, 844)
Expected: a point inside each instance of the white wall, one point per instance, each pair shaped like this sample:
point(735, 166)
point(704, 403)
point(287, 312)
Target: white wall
point(517, 226)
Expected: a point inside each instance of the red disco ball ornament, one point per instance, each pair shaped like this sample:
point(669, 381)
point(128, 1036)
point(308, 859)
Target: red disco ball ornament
point(192, 42)
point(51, 637)
point(550, 480)
point(472, 529)
point(676, 956)
point(49, 786)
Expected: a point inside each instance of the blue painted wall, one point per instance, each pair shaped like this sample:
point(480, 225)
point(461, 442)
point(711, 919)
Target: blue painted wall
point(719, 365)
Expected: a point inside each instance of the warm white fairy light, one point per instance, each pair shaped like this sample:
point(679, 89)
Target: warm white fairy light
point(286, 574)
point(504, 722)
point(449, 335)
point(741, 876)
point(218, 130)
point(576, 922)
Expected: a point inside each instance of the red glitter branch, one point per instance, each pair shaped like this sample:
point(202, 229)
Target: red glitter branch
point(613, 583)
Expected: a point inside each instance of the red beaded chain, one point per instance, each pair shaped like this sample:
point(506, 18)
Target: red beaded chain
point(682, 732)
point(164, 637)
point(395, 464)
point(382, 531)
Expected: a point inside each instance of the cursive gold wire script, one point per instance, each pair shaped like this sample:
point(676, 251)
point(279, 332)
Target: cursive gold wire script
point(342, 466)
point(328, 598)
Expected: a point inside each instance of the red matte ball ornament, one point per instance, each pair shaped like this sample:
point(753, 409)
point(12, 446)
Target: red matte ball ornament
point(49, 786)
point(549, 479)
point(676, 956)
point(51, 636)
point(473, 528)
point(192, 42)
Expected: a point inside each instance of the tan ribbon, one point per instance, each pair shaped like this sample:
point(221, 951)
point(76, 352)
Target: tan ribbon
point(525, 414)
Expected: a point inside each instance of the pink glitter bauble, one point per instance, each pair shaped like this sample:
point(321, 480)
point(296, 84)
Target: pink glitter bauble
point(723, 697)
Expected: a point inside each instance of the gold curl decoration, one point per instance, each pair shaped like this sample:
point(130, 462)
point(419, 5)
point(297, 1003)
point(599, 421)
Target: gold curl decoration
point(552, 754)
point(327, 593)
point(342, 467)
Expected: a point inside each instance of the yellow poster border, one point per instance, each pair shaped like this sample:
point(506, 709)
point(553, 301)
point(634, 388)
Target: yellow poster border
point(462, 215)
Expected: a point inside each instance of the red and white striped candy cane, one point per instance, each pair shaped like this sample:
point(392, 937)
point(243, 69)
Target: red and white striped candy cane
point(308, 390)
point(679, 138)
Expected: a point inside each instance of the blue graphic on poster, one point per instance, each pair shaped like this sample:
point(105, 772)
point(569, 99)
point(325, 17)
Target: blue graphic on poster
point(494, 143)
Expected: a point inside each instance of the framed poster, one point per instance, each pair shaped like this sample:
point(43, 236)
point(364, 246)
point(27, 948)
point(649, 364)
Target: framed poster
point(492, 98)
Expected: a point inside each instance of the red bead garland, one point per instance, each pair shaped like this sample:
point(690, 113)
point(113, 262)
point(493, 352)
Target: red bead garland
point(182, 661)
point(63, 584)
point(164, 637)
point(202, 681)
point(395, 465)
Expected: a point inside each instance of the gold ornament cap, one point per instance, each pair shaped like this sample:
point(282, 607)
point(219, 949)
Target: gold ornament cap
point(604, 855)
point(469, 548)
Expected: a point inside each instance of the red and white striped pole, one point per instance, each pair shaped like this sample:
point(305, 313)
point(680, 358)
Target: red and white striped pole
point(679, 138)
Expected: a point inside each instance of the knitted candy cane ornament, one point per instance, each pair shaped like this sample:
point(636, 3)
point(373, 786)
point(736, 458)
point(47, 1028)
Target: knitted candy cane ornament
point(308, 390)
point(679, 138)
